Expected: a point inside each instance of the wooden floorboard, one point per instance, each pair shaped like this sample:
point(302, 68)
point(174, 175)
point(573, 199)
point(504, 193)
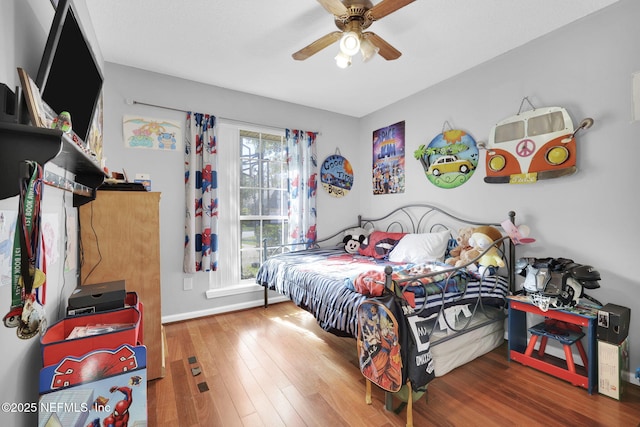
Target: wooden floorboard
point(277, 367)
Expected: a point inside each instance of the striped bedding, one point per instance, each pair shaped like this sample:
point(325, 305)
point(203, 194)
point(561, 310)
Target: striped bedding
point(321, 282)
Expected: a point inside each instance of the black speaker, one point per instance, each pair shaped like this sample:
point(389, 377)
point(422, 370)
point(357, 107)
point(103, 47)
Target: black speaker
point(8, 105)
point(613, 323)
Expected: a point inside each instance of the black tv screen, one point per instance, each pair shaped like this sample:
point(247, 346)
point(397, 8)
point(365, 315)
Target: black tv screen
point(69, 77)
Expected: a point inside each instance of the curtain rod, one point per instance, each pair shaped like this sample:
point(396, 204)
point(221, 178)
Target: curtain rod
point(134, 102)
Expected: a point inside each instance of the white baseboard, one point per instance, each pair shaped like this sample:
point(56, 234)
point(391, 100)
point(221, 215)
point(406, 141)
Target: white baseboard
point(224, 309)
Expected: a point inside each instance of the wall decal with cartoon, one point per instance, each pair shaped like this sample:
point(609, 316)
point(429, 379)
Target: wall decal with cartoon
point(336, 175)
point(450, 159)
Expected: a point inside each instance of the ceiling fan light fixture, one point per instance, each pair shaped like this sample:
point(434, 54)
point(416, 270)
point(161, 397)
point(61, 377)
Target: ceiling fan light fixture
point(368, 50)
point(350, 43)
point(342, 60)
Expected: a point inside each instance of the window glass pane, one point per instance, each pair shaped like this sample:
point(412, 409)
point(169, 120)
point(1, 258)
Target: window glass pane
point(248, 172)
point(509, 132)
point(265, 172)
point(249, 234)
point(249, 263)
point(249, 201)
point(263, 197)
point(277, 178)
point(273, 231)
point(273, 147)
point(547, 123)
point(250, 143)
point(272, 202)
point(284, 204)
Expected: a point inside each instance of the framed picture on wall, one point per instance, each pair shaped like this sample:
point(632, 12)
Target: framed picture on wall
point(388, 159)
point(35, 105)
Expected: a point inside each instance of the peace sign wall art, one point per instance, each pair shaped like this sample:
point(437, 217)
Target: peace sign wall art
point(532, 145)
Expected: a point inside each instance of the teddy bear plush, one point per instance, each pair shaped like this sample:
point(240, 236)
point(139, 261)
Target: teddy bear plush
point(353, 238)
point(482, 238)
point(463, 252)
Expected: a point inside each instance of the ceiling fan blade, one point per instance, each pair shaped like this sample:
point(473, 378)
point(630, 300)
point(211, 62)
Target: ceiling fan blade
point(317, 46)
point(386, 7)
point(334, 7)
point(387, 51)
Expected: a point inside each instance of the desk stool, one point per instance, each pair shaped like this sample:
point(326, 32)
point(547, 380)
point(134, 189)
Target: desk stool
point(566, 333)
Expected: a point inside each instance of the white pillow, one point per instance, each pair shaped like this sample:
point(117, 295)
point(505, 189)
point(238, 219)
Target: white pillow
point(423, 247)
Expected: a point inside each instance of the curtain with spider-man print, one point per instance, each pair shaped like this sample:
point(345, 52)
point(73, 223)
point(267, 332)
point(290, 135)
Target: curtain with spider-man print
point(303, 184)
point(201, 190)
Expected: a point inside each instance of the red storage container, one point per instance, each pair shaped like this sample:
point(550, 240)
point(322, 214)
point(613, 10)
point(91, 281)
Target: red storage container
point(132, 300)
point(56, 345)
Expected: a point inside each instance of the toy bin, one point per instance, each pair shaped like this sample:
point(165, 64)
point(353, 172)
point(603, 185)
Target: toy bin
point(79, 335)
point(132, 300)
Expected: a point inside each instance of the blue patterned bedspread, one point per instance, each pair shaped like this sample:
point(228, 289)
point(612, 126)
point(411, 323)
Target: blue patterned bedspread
point(321, 282)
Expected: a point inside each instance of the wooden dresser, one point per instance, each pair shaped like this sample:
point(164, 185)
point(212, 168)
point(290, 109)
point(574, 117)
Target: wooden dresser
point(120, 240)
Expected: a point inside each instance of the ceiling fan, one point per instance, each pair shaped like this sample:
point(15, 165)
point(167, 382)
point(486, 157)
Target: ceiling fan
point(352, 17)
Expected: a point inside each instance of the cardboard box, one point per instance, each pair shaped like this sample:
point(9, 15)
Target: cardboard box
point(613, 360)
point(96, 298)
point(613, 323)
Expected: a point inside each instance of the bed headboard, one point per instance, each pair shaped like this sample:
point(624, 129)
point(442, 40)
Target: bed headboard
point(415, 218)
point(421, 218)
point(426, 218)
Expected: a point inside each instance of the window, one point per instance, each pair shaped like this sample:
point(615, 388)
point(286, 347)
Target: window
point(548, 123)
point(253, 198)
point(262, 196)
point(509, 132)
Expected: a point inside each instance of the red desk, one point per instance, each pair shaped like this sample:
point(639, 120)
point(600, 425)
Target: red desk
point(518, 340)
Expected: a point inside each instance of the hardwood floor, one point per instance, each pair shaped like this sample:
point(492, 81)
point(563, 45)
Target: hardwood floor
point(277, 367)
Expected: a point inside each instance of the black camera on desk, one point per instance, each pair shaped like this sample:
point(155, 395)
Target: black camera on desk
point(96, 298)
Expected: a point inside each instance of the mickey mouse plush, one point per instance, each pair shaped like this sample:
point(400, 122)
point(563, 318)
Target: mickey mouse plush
point(353, 239)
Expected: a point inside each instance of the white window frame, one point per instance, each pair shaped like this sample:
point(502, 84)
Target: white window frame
point(226, 280)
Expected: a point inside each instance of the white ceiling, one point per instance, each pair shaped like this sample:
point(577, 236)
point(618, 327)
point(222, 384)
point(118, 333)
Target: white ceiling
point(246, 45)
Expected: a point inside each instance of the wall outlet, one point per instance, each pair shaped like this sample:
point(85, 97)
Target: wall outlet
point(187, 283)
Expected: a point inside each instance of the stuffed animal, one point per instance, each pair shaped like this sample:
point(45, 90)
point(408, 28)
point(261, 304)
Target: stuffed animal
point(353, 238)
point(482, 238)
point(464, 252)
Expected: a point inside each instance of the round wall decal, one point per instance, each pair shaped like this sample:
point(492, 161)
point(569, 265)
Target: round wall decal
point(336, 175)
point(450, 158)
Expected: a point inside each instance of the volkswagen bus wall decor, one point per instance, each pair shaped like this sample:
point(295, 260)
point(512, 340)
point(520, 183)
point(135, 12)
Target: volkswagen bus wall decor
point(532, 145)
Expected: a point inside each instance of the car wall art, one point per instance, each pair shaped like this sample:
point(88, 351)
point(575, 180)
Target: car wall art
point(450, 159)
point(532, 145)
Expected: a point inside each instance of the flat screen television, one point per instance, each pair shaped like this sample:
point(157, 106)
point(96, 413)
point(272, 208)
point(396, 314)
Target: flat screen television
point(70, 79)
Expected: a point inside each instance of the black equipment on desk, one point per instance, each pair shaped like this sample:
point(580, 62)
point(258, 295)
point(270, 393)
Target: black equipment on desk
point(96, 298)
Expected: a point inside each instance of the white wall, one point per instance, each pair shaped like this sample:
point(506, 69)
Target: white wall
point(590, 217)
point(585, 67)
point(22, 358)
point(24, 25)
point(167, 168)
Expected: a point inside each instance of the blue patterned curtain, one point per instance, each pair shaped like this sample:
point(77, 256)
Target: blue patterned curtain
point(303, 184)
point(201, 190)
